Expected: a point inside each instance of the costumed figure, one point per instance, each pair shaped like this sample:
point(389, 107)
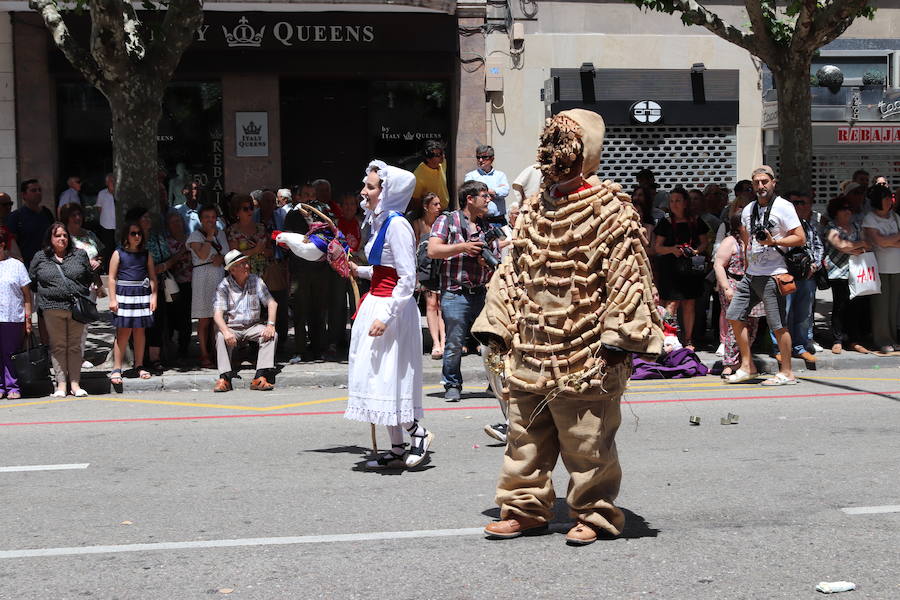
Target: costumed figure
point(385, 383)
point(565, 308)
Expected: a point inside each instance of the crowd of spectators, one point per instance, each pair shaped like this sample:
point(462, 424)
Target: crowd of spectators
point(166, 272)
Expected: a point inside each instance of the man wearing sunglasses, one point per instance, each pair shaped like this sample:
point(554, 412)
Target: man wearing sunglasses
point(801, 303)
point(494, 179)
point(72, 193)
point(431, 174)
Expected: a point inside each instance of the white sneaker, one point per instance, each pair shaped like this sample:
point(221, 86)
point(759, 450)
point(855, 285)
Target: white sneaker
point(817, 347)
point(720, 351)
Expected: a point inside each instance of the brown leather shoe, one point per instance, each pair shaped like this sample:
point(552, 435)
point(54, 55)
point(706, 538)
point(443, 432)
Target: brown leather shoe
point(860, 348)
point(514, 527)
point(261, 384)
point(581, 535)
point(222, 385)
point(807, 356)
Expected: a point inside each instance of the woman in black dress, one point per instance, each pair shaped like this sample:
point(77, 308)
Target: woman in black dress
point(681, 241)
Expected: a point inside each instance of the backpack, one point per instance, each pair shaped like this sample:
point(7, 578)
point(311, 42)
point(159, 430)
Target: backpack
point(428, 270)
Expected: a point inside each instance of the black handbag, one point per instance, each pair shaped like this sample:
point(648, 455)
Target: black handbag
point(821, 277)
point(691, 265)
point(32, 364)
point(84, 310)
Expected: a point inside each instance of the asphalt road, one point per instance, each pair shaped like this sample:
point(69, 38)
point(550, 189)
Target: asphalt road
point(259, 495)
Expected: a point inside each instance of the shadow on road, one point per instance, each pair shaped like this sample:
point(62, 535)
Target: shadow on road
point(636, 526)
point(849, 388)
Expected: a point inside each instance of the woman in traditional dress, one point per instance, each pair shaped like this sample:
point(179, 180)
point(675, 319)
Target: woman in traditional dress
point(386, 341)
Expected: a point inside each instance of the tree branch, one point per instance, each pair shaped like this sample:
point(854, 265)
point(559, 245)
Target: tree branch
point(183, 18)
point(807, 10)
point(108, 36)
point(59, 32)
point(694, 13)
point(834, 19)
point(766, 43)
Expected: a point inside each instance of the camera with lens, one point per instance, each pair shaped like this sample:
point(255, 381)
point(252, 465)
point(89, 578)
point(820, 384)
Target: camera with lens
point(761, 232)
point(487, 238)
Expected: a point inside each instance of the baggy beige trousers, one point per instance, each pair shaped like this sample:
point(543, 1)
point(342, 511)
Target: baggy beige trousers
point(65, 345)
point(582, 429)
point(264, 360)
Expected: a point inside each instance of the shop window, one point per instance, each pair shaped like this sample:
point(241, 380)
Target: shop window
point(189, 134)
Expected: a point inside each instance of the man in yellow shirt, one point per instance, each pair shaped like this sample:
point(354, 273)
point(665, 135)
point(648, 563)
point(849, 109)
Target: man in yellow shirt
point(431, 174)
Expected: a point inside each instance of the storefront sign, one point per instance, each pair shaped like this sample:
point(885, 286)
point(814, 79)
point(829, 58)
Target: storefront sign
point(646, 112)
point(868, 135)
point(251, 133)
point(889, 106)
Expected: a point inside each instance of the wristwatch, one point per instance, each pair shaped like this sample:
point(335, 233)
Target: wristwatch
point(272, 323)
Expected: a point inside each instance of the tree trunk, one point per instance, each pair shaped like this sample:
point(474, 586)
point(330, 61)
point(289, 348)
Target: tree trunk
point(794, 123)
point(135, 119)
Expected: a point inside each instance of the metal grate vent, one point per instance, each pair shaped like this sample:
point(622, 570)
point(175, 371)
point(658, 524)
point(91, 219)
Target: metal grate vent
point(692, 157)
point(831, 166)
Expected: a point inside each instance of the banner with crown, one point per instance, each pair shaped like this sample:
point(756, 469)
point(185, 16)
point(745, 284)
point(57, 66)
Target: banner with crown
point(251, 133)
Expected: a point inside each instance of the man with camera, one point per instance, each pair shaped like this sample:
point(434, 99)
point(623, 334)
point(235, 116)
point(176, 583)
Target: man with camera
point(768, 224)
point(470, 253)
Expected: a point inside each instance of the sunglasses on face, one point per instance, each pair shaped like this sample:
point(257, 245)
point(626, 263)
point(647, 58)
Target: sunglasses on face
point(136, 233)
point(484, 157)
point(436, 155)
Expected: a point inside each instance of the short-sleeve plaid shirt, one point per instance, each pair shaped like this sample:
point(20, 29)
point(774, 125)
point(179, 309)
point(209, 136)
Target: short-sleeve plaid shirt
point(460, 271)
point(241, 306)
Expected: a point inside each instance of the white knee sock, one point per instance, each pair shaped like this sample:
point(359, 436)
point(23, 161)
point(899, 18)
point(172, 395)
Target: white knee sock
point(395, 432)
point(414, 428)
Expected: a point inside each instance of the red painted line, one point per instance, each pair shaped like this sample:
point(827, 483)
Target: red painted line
point(441, 408)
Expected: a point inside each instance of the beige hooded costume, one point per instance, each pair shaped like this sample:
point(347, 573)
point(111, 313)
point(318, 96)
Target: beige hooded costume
point(574, 292)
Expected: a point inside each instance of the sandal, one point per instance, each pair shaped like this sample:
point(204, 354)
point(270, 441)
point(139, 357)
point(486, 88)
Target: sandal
point(142, 372)
point(726, 372)
point(437, 354)
point(740, 376)
point(779, 379)
point(115, 376)
point(387, 460)
point(418, 448)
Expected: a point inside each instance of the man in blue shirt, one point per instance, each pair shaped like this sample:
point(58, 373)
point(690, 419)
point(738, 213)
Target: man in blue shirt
point(496, 180)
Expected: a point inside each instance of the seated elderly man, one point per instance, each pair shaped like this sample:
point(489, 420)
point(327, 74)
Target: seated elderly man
point(238, 318)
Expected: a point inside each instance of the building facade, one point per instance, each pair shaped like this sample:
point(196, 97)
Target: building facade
point(267, 95)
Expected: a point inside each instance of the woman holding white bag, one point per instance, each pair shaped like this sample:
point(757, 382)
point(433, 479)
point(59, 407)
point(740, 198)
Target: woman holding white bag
point(882, 230)
point(844, 236)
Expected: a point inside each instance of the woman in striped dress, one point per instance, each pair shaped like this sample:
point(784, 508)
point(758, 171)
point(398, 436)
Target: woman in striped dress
point(132, 297)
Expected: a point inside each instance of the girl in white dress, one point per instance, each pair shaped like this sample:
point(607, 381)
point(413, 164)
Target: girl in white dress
point(386, 340)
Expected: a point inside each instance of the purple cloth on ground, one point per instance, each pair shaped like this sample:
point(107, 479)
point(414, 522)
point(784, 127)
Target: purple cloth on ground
point(678, 364)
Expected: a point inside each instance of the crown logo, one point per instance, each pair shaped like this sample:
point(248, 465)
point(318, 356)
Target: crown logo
point(408, 136)
point(243, 35)
point(251, 128)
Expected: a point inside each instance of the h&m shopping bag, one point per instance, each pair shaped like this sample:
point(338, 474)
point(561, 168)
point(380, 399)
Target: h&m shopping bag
point(864, 277)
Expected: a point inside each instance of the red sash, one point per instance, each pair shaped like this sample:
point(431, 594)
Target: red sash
point(384, 280)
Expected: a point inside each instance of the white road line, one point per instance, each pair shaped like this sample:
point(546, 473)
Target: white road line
point(871, 510)
point(270, 541)
point(44, 468)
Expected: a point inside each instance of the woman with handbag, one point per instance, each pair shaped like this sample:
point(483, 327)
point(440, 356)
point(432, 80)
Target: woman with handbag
point(424, 215)
point(61, 272)
point(158, 247)
point(844, 236)
point(208, 246)
point(181, 270)
point(73, 216)
point(681, 243)
point(132, 297)
point(15, 316)
point(882, 230)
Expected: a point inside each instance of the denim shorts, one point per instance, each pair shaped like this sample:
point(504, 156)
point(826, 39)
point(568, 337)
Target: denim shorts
point(752, 289)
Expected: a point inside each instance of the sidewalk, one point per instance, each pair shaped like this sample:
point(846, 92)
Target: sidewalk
point(190, 377)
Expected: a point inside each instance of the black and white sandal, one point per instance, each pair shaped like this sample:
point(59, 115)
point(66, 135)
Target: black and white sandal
point(418, 448)
point(388, 460)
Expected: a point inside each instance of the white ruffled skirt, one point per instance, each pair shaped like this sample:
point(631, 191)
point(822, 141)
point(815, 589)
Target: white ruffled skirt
point(385, 383)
